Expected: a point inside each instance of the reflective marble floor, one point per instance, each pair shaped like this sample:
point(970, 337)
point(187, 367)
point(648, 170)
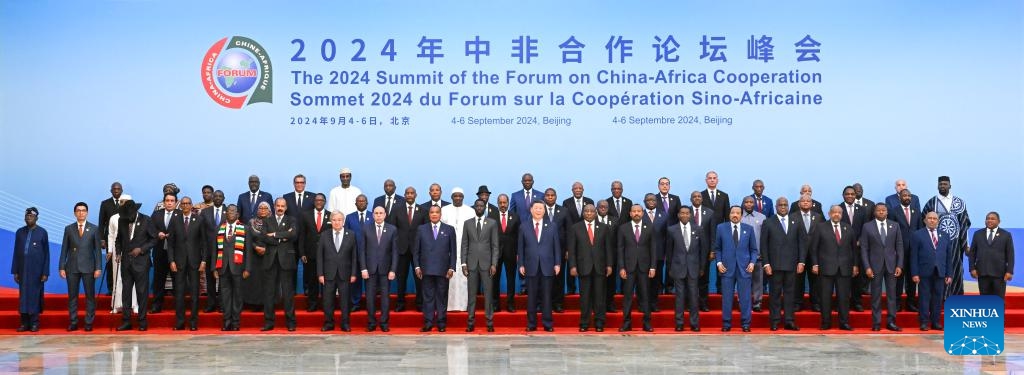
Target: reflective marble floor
point(511, 354)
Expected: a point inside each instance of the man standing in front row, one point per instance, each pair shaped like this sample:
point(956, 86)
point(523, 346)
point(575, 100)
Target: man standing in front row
point(80, 259)
point(479, 261)
point(636, 259)
point(336, 270)
point(686, 253)
point(434, 262)
point(30, 268)
point(736, 253)
point(136, 238)
point(991, 257)
point(783, 256)
point(929, 259)
point(590, 258)
point(278, 262)
point(232, 244)
point(881, 250)
point(835, 262)
point(379, 258)
point(540, 259)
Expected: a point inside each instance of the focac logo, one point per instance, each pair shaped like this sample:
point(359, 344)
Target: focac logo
point(237, 73)
point(974, 325)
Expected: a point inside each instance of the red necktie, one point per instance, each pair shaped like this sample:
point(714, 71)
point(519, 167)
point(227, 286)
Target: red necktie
point(636, 232)
point(590, 232)
point(536, 229)
point(837, 232)
point(698, 217)
point(906, 211)
point(935, 240)
point(410, 215)
point(759, 206)
point(319, 220)
point(503, 222)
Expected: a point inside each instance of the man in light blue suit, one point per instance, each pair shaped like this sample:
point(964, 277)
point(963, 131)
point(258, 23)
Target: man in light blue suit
point(735, 254)
point(540, 258)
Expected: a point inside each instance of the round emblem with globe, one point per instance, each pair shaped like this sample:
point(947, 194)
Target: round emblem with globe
point(236, 71)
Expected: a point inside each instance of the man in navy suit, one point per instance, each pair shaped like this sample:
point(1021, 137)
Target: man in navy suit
point(407, 219)
point(657, 217)
point(337, 253)
point(522, 200)
point(636, 267)
point(783, 262)
point(835, 260)
point(540, 260)
point(434, 261)
point(80, 259)
point(735, 252)
point(379, 258)
point(188, 252)
point(929, 258)
point(250, 200)
point(895, 201)
point(762, 203)
point(991, 257)
point(909, 219)
point(300, 200)
point(881, 250)
point(389, 200)
point(354, 222)
point(686, 252)
point(560, 217)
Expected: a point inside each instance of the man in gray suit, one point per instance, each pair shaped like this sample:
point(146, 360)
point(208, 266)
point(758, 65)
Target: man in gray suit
point(686, 252)
point(881, 249)
point(480, 258)
point(80, 260)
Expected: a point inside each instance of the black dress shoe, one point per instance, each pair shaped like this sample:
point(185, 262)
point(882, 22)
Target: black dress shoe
point(648, 328)
point(893, 327)
point(88, 327)
point(354, 308)
point(291, 328)
point(726, 329)
point(209, 309)
point(346, 328)
point(124, 327)
point(695, 329)
point(583, 328)
point(21, 328)
point(510, 308)
point(792, 327)
point(310, 308)
point(179, 327)
point(655, 309)
point(816, 308)
point(400, 307)
point(490, 328)
point(858, 308)
point(825, 327)
point(33, 329)
point(559, 309)
point(705, 308)
point(876, 328)
point(143, 327)
point(371, 328)
point(425, 329)
point(530, 329)
point(327, 328)
point(757, 308)
point(193, 326)
point(441, 329)
point(385, 329)
point(549, 329)
point(679, 327)
point(625, 328)
point(599, 329)
point(73, 327)
point(746, 328)
point(912, 308)
point(156, 309)
point(937, 326)
point(267, 327)
point(469, 328)
point(845, 327)
point(774, 327)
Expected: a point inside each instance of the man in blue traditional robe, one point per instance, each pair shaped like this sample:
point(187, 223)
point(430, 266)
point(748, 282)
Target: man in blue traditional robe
point(31, 268)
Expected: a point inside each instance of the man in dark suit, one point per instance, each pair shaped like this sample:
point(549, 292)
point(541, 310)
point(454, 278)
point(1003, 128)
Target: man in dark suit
point(808, 220)
point(540, 259)
point(864, 203)
point(735, 255)
point(81, 260)
point(612, 222)
point(703, 221)
point(188, 253)
point(815, 205)
point(783, 261)
point(354, 222)
point(716, 199)
point(378, 258)
point(407, 220)
point(590, 255)
point(278, 262)
point(574, 204)
point(300, 200)
point(479, 257)
point(230, 245)
point(249, 201)
point(434, 261)
point(855, 216)
point(909, 219)
point(135, 242)
point(929, 258)
point(666, 202)
point(658, 220)
point(636, 260)
point(560, 217)
point(109, 207)
point(491, 211)
point(434, 192)
point(389, 200)
point(834, 259)
point(161, 221)
point(881, 251)
point(762, 203)
point(894, 202)
point(522, 200)
point(313, 223)
point(991, 257)
point(337, 267)
point(686, 252)
point(508, 235)
point(213, 217)
point(618, 206)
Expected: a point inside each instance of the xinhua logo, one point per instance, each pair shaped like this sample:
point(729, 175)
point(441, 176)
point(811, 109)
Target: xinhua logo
point(974, 325)
point(237, 73)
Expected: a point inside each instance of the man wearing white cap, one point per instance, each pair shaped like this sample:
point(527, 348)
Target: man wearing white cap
point(343, 197)
point(456, 214)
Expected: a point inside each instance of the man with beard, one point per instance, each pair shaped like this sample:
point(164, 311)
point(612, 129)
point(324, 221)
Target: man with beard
point(955, 221)
point(136, 238)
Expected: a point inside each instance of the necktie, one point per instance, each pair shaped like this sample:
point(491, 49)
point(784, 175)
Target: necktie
point(686, 238)
point(935, 240)
point(167, 218)
point(590, 233)
point(526, 197)
point(759, 205)
point(785, 229)
point(319, 220)
point(579, 206)
point(736, 234)
point(636, 232)
point(651, 214)
point(664, 200)
point(378, 233)
point(410, 214)
point(711, 195)
point(618, 206)
point(435, 231)
point(216, 215)
point(387, 206)
point(362, 217)
point(697, 216)
point(990, 237)
point(536, 229)
point(231, 233)
point(252, 200)
point(117, 203)
point(298, 202)
point(807, 222)
point(881, 229)
point(81, 231)
point(186, 225)
point(131, 232)
point(337, 241)
point(835, 228)
point(479, 225)
point(850, 211)
point(906, 212)
point(503, 222)
point(551, 213)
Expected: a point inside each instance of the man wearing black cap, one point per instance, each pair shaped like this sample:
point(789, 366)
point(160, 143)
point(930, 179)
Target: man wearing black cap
point(492, 211)
point(31, 268)
point(135, 241)
point(954, 220)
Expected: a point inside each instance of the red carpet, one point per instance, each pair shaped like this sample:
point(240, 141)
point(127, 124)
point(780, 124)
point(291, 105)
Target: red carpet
point(54, 320)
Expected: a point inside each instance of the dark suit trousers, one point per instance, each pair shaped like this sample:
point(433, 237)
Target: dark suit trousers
point(138, 280)
point(334, 290)
point(687, 290)
point(356, 290)
point(987, 285)
point(90, 296)
point(704, 283)
point(378, 283)
point(186, 277)
point(636, 282)
point(435, 300)
point(657, 285)
point(732, 286)
point(402, 275)
point(558, 290)
point(592, 298)
point(310, 282)
point(539, 287)
point(905, 283)
point(161, 268)
point(841, 285)
point(508, 261)
point(477, 279)
point(810, 283)
point(782, 295)
point(857, 285)
point(932, 286)
point(892, 300)
point(283, 281)
point(110, 276)
point(212, 294)
point(231, 297)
